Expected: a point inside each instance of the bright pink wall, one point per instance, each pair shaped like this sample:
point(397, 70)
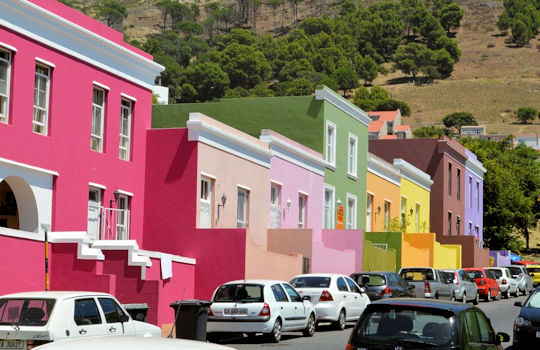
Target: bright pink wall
point(329, 260)
point(21, 257)
point(66, 149)
point(346, 240)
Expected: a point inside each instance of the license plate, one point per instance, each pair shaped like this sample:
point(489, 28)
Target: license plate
point(538, 334)
point(12, 344)
point(237, 311)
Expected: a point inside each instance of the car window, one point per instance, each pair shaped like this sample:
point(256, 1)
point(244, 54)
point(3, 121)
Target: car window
point(473, 274)
point(111, 310)
point(292, 293)
point(470, 327)
point(486, 332)
point(341, 285)
point(508, 272)
point(86, 312)
point(495, 272)
point(447, 275)
point(279, 293)
point(311, 282)
point(489, 274)
point(464, 276)
point(515, 270)
point(417, 274)
point(353, 287)
point(392, 279)
point(373, 280)
point(247, 293)
point(533, 301)
point(25, 312)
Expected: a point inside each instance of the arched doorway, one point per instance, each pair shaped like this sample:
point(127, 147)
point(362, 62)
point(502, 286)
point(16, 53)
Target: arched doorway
point(18, 207)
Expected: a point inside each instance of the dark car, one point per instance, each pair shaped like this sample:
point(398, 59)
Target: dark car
point(527, 324)
point(407, 323)
point(381, 285)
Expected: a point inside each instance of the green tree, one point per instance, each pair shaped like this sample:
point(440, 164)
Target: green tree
point(443, 62)
point(244, 65)
point(521, 34)
point(113, 13)
point(274, 5)
point(208, 80)
point(300, 87)
point(367, 69)
point(431, 30)
point(524, 114)
point(430, 131)
point(412, 59)
point(346, 79)
point(504, 22)
point(459, 119)
point(450, 16)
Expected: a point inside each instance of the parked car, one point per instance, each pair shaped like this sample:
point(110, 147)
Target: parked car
point(35, 318)
point(534, 272)
point(428, 282)
point(384, 284)
point(423, 324)
point(488, 288)
point(464, 287)
point(527, 324)
point(525, 282)
point(507, 284)
point(260, 306)
point(336, 298)
point(130, 343)
point(524, 262)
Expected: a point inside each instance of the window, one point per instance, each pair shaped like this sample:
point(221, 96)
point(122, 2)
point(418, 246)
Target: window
point(386, 215)
point(41, 99)
point(417, 218)
point(369, 206)
point(470, 192)
point(125, 129)
point(351, 212)
point(329, 208)
point(352, 286)
point(458, 184)
point(94, 212)
point(205, 204)
point(279, 293)
point(486, 332)
point(403, 210)
point(341, 285)
point(242, 210)
point(477, 231)
point(111, 310)
point(302, 211)
point(275, 208)
point(477, 195)
point(331, 143)
point(293, 295)
point(458, 224)
point(449, 179)
point(353, 152)
point(5, 76)
point(98, 118)
point(449, 224)
point(86, 312)
point(470, 229)
point(122, 218)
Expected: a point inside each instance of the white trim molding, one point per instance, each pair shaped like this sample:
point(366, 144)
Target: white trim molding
point(475, 167)
point(334, 146)
point(327, 94)
point(101, 86)
point(276, 183)
point(412, 173)
point(8, 47)
point(93, 184)
point(45, 62)
point(305, 194)
point(126, 96)
point(175, 258)
point(383, 169)
point(246, 188)
point(203, 174)
point(125, 193)
point(30, 167)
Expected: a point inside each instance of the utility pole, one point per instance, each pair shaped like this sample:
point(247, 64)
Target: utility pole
point(46, 228)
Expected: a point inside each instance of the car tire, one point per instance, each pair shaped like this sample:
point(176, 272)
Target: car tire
point(488, 296)
point(310, 328)
point(275, 335)
point(464, 298)
point(506, 295)
point(499, 295)
point(213, 337)
point(476, 299)
point(340, 323)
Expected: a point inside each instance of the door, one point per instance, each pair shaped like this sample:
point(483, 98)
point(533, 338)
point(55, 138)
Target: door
point(205, 204)
point(94, 212)
point(344, 297)
point(299, 318)
point(88, 319)
point(112, 312)
point(445, 289)
point(286, 308)
point(357, 299)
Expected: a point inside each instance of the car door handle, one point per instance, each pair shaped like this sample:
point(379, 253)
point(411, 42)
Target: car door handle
point(82, 331)
point(296, 307)
point(282, 308)
point(112, 329)
point(344, 297)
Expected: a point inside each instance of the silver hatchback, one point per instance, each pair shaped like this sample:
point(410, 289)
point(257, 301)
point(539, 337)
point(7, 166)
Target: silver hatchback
point(464, 287)
point(524, 280)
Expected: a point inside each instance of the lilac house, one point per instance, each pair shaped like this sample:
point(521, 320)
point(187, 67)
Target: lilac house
point(474, 184)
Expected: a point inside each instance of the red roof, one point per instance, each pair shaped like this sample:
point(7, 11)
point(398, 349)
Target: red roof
point(375, 126)
point(403, 127)
point(389, 137)
point(387, 116)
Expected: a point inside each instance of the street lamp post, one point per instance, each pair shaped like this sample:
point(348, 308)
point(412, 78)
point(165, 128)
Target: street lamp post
point(46, 228)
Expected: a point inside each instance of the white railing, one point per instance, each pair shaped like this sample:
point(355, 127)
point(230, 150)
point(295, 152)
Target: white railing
point(275, 216)
point(114, 224)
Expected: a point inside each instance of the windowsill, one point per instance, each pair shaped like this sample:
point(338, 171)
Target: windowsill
point(38, 133)
point(352, 176)
point(98, 152)
point(331, 166)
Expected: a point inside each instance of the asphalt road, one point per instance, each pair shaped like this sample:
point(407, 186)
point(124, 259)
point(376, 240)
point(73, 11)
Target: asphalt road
point(502, 314)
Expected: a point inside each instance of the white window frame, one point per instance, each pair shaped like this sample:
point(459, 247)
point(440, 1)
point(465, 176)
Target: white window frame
point(470, 228)
point(477, 195)
point(122, 214)
point(403, 210)
point(387, 208)
point(125, 151)
point(302, 203)
point(242, 222)
point(205, 198)
point(98, 137)
point(4, 109)
point(275, 205)
point(352, 159)
point(351, 220)
point(330, 143)
point(369, 211)
point(45, 109)
point(329, 207)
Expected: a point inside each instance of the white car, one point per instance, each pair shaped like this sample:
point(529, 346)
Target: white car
point(337, 298)
point(259, 306)
point(130, 343)
point(507, 283)
point(35, 318)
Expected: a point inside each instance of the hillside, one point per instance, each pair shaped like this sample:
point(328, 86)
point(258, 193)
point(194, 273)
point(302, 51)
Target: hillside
point(491, 80)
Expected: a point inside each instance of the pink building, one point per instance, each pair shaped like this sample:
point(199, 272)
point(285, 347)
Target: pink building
point(75, 105)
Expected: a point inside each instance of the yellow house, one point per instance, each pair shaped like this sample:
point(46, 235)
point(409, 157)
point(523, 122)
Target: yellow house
point(415, 192)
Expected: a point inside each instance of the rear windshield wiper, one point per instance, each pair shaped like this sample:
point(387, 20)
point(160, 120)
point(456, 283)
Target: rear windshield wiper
point(417, 342)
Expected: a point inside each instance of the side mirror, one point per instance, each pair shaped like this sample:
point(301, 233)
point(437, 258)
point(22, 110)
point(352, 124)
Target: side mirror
point(518, 304)
point(124, 318)
point(363, 289)
point(502, 337)
point(306, 297)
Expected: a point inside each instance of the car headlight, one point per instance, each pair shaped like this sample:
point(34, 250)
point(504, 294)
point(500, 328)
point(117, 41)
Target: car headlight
point(522, 322)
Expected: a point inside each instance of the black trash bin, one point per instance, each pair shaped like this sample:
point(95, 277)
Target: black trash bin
point(137, 312)
point(190, 318)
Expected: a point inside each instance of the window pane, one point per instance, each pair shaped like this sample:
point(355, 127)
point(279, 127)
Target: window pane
point(86, 312)
point(109, 309)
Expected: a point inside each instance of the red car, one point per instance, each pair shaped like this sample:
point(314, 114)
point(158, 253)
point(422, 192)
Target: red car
point(524, 262)
point(487, 285)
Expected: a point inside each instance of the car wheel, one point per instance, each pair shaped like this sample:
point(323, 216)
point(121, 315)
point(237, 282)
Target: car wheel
point(488, 296)
point(310, 328)
point(340, 323)
point(275, 335)
point(507, 294)
point(499, 295)
point(213, 337)
point(476, 299)
point(464, 298)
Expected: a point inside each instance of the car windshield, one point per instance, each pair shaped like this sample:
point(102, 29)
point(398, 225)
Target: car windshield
point(25, 312)
point(311, 282)
point(449, 275)
point(373, 280)
point(417, 274)
point(475, 274)
point(515, 270)
point(246, 293)
point(496, 273)
point(400, 325)
point(533, 269)
point(534, 301)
